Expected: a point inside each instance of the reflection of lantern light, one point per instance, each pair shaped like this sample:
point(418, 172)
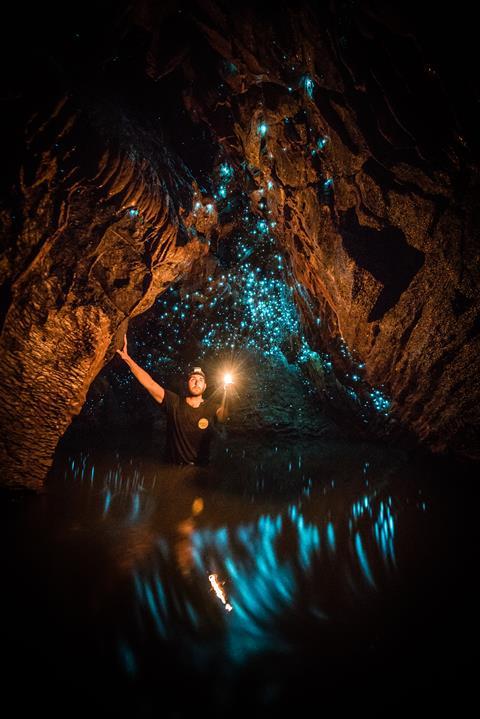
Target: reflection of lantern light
point(227, 378)
point(212, 578)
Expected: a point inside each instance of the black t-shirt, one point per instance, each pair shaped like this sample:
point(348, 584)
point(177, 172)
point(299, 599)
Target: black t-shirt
point(189, 429)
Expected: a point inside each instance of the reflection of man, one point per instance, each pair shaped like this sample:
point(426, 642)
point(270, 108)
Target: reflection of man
point(190, 419)
point(183, 544)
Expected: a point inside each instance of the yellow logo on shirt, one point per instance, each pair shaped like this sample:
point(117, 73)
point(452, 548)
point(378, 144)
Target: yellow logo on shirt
point(203, 423)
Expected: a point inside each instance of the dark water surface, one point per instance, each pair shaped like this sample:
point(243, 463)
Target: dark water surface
point(318, 574)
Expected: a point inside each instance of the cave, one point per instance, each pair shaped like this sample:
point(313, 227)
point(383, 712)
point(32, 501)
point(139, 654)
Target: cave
point(287, 193)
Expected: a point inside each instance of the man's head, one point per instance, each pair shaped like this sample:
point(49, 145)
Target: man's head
point(196, 382)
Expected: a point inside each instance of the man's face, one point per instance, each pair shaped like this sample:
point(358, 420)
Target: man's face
point(196, 385)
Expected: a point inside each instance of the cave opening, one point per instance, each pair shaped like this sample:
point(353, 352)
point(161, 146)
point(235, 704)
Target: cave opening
point(287, 193)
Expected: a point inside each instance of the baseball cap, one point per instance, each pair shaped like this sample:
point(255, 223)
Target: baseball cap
point(196, 370)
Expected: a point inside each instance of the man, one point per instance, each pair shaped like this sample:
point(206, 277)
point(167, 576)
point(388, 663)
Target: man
point(190, 419)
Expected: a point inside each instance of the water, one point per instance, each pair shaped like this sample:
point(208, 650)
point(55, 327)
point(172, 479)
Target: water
point(281, 576)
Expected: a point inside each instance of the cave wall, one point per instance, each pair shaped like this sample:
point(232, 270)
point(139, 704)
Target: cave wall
point(95, 239)
point(375, 183)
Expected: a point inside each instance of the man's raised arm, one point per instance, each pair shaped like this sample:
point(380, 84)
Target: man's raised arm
point(143, 377)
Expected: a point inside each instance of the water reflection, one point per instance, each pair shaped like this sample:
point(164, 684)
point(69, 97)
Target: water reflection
point(237, 551)
point(294, 554)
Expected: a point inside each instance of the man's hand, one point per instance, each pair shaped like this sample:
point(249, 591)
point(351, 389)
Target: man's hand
point(156, 390)
point(123, 352)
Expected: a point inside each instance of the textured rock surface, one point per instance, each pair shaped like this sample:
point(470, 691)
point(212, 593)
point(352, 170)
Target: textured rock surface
point(378, 224)
point(389, 254)
point(77, 266)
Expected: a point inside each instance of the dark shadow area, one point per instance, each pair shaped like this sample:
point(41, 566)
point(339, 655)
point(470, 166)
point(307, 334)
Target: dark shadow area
point(386, 255)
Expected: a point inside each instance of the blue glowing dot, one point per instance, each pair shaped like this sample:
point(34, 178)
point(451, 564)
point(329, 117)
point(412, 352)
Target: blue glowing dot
point(262, 129)
point(226, 171)
point(307, 83)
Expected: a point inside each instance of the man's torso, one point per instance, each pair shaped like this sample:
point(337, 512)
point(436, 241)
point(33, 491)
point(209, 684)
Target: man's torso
point(189, 429)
